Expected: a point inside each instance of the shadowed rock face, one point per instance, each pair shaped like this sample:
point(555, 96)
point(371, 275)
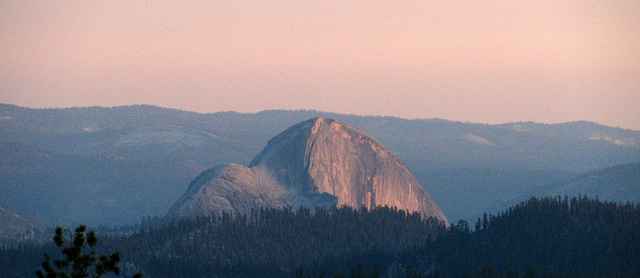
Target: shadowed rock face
point(230, 187)
point(316, 162)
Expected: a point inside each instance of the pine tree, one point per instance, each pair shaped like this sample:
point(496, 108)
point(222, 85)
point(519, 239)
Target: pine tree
point(77, 264)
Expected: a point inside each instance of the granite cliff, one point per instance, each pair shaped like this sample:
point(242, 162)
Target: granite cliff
point(318, 162)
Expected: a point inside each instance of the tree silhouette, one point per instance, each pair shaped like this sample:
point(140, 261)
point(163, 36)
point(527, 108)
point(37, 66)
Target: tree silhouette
point(77, 264)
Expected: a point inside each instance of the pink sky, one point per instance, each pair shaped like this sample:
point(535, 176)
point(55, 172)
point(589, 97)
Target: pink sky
point(478, 61)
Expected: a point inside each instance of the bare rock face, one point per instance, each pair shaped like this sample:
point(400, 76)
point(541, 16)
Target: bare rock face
point(313, 163)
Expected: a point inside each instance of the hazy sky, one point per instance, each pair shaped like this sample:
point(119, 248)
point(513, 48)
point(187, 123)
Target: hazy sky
point(480, 61)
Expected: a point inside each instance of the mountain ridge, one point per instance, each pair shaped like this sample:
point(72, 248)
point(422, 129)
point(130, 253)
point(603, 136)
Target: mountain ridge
point(115, 165)
point(147, 107)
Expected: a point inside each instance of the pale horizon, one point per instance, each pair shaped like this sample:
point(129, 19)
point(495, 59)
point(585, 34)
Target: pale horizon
point(483, 62)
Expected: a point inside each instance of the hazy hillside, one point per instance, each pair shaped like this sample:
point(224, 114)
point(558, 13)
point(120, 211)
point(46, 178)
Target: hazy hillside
point(620, 183)
point(14, 227)
point(114, 165)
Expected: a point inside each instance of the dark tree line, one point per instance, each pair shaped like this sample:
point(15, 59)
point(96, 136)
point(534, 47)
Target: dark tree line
point(277, 241)
point(540, 237)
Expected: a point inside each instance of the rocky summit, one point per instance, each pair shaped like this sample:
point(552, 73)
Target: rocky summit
point(318, 162)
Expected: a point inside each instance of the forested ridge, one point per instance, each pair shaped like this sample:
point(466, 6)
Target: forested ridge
point(540, 237)
point(276, 240)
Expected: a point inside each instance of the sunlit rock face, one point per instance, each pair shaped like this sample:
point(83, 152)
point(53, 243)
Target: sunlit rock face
point(313, 163)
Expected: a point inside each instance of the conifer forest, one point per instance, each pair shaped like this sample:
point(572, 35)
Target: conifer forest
point(540, 237)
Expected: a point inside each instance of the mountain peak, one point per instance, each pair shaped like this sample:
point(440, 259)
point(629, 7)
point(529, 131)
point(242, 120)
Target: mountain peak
point(321, 162)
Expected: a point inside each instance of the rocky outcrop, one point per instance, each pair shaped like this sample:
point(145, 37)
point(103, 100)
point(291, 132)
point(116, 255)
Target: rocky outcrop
point(316, 162)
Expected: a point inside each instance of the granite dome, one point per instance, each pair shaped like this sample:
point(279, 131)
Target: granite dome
point(313, 163)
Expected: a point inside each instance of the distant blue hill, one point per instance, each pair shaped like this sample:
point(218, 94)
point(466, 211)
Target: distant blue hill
point(619, 183)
